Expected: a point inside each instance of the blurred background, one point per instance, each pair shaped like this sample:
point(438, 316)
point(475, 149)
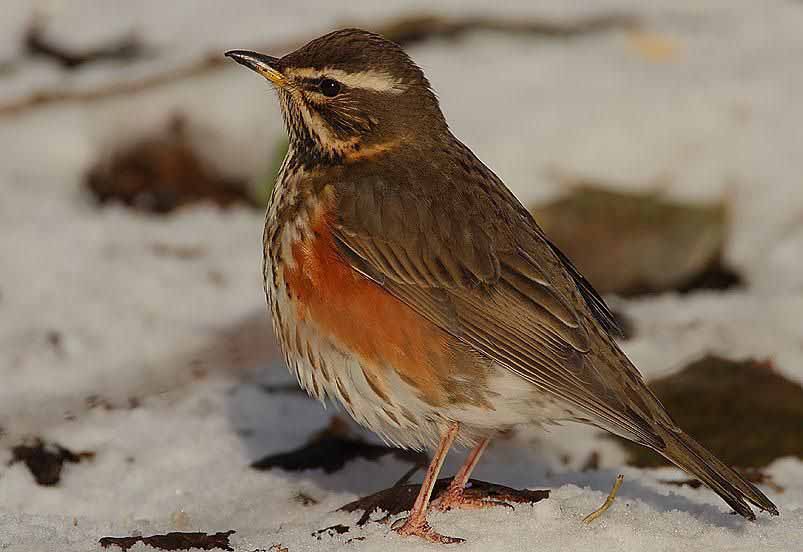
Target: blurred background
point(658, 143)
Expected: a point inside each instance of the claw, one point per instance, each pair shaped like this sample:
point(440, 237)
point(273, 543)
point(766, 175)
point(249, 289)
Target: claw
point(420, 528)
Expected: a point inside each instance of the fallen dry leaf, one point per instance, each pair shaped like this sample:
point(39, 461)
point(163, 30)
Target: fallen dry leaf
point(161, 173)
point(636, 243)
point(331, 531)
point(174, 541)
point(46, 460)
point(744, 411)
point(400, 498)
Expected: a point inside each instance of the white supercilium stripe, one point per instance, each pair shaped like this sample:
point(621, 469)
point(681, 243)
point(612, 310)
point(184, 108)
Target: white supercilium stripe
point(378, 81)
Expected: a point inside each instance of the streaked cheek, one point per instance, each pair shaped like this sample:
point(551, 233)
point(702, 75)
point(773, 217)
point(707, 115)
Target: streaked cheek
point(316, 123)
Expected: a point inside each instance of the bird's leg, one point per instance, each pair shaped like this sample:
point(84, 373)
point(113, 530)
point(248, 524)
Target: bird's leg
point(416, 522)
point(454, 496)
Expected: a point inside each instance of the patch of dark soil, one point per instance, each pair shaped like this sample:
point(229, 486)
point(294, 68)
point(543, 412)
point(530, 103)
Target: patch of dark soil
point(744, 411)
point(46, 460)
point(400, 498)
point(162, 173)
point(331, 449)
point(174, 541)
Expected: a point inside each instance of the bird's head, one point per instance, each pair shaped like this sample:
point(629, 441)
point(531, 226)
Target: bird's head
point(349, 94)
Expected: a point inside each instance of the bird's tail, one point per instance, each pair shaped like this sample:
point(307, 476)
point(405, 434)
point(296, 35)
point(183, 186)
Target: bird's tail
point(692, 457)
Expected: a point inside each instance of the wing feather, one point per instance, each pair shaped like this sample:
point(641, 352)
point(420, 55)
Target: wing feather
point(496, 283)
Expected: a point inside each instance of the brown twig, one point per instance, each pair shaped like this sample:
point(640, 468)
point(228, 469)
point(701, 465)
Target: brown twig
point(37, 43)
point(405, 31)
point(409, 30)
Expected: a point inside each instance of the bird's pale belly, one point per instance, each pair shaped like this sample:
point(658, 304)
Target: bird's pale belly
point(394, 371)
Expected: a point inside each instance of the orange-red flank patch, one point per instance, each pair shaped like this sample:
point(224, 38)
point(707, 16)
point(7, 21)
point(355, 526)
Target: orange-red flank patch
point(364, 318)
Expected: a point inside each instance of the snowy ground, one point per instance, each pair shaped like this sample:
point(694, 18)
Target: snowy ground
point(705, 102)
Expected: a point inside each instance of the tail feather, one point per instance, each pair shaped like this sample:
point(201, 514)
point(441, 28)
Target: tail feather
point(695, 459)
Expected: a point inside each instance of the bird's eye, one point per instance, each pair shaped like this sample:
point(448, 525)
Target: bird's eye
point(329, 88)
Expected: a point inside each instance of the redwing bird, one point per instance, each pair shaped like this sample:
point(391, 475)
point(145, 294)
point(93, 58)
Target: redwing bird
point(406, 281)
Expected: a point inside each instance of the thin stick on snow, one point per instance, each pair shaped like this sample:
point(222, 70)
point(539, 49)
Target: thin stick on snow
point(608, 501)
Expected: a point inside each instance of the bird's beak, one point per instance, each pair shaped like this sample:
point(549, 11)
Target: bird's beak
point(262, 64)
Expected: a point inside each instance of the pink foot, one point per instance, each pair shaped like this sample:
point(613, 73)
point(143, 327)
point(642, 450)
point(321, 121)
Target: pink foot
point(456, 499)
point(420, 528)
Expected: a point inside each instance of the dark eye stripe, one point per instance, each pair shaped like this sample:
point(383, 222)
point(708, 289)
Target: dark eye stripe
point(309, 82)
point(317, 85)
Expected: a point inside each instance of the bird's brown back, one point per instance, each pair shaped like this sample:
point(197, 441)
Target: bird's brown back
point(449, 241)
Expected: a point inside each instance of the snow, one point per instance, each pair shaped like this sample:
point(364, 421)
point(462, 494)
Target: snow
point(714, 113)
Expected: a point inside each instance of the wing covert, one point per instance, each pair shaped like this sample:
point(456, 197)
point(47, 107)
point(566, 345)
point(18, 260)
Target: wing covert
point(475, 263)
